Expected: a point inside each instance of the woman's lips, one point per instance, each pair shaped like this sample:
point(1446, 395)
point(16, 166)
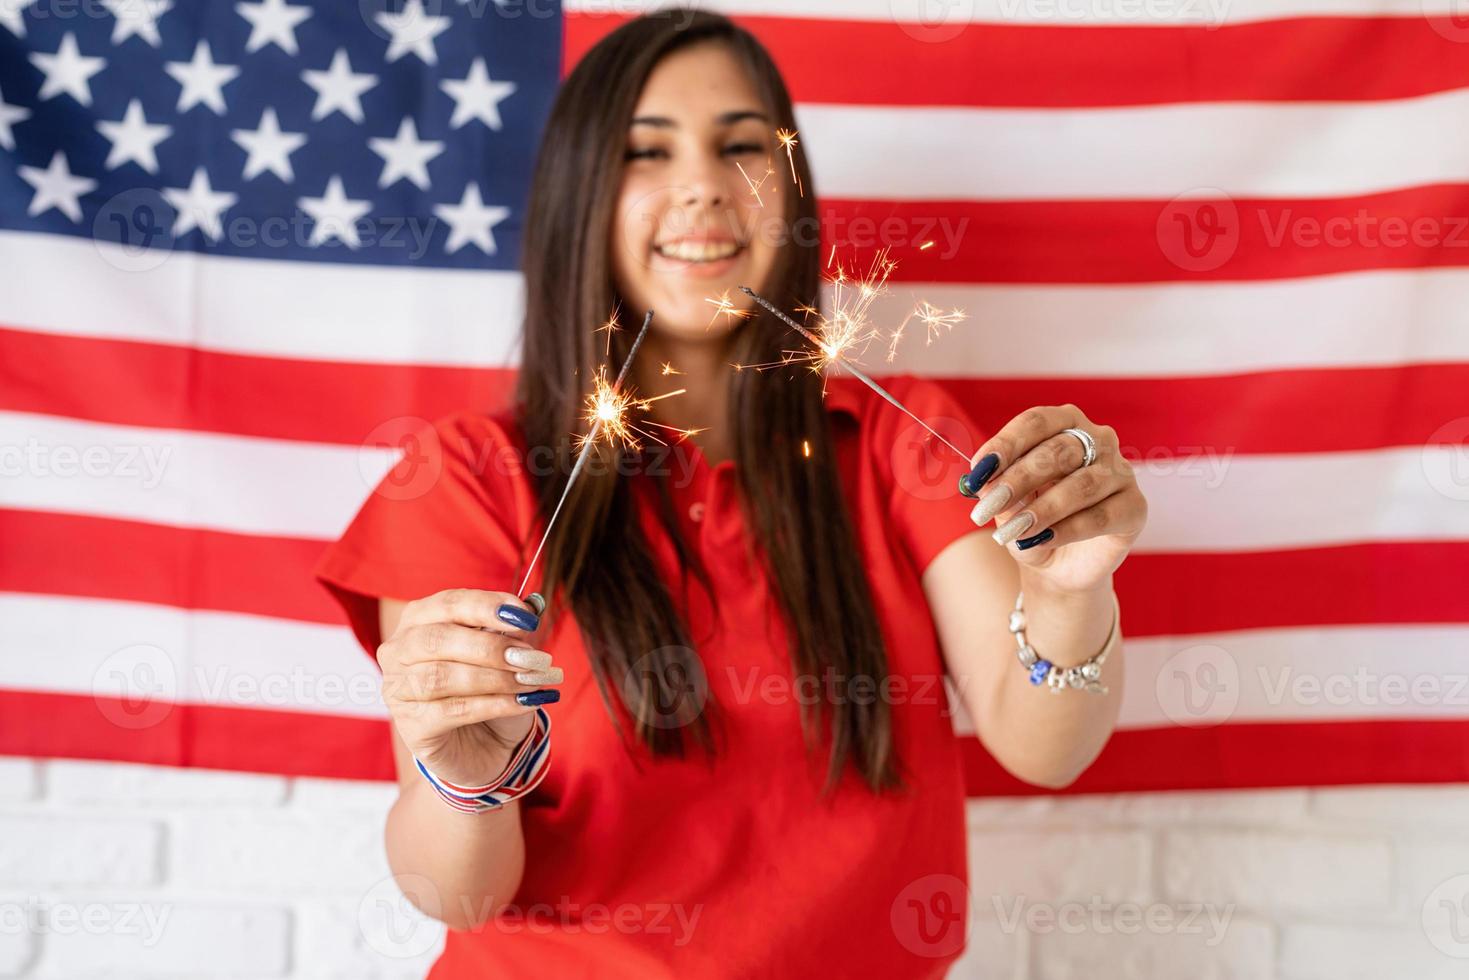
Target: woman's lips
point(713, 269)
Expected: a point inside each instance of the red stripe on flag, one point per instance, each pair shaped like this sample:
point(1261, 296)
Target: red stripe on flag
point(72, 726)
point(189, 568)
point(1248, 755)
point(1162, 594)
point(1234, 756)
point(1173, 420)
point(889, 63)
point(1199, 239)
point(160, 386)
point(174, 387)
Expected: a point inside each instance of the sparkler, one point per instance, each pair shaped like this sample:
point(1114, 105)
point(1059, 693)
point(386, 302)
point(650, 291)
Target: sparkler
point(535, 600)
point(724, 306)
point(787, 140)
point(848, 331)
point(933, 319)
point(756, 185)
point(833, 355)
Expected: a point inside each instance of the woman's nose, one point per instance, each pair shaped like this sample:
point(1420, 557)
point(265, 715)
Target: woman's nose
point(704, 183)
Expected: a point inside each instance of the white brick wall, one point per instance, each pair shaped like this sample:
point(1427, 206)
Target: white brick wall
point(132, 871)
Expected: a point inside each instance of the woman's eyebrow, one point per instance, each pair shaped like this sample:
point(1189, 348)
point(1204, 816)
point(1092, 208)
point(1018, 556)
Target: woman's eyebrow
point(723, 119)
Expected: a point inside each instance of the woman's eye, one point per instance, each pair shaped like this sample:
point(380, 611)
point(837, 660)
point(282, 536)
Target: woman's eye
point(646, 154)
point(744, 148)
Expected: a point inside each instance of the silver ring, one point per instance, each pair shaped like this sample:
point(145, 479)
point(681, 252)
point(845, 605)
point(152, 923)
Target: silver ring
point(1088, 445)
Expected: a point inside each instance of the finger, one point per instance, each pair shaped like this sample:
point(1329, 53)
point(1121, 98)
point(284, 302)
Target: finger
point(467, 645)
point(436, 679)
point(498, 611)
point(1120, 513)
point(423, 720)
point(1016, 438)
point(1054, 459)
point(1053, 501)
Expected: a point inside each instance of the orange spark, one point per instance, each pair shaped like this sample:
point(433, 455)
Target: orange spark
point(787, 139)
point(611, 327)
point(754, 186)
point(724, 305)
point(934, 320)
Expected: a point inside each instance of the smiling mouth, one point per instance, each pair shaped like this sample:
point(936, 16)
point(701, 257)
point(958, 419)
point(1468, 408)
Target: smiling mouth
point(698, 251)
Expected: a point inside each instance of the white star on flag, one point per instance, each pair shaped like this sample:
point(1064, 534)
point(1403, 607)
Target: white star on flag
point(272, 22)
point(200, 206)
point(268, 147)
point(405, 155)
point(134, 139)
point(67, 71)
point(57, 188)
point(12, 16)
point(338, 89)
point(9, 116)
point(138, 17)
point(336, 216)
point(477, 97)
point(470, 221)
point(413, 31)
point(202, 80)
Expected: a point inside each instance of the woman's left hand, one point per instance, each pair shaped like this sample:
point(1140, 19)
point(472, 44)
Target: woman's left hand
point(1067, 524)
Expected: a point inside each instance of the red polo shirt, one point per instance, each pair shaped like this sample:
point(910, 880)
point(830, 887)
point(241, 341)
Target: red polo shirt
point(668, 868)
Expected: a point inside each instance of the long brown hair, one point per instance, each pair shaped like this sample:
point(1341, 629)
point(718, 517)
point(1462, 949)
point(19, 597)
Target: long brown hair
point(635, 635)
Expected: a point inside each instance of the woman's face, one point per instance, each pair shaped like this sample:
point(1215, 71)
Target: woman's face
point(686, 223)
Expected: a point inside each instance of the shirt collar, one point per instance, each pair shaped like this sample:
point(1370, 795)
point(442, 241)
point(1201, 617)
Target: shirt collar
point(842, 395)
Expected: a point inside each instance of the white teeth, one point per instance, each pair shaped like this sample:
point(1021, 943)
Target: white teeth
point(698, 251)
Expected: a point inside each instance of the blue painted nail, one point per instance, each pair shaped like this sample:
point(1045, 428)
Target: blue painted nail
point(1035, 539)
point(531, 698)
point(971, 482)
point(521, 619)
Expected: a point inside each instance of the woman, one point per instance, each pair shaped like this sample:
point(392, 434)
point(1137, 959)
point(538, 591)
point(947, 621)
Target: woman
point(754, 769)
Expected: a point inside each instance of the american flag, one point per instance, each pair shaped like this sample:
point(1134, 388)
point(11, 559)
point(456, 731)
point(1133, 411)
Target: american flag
point(246, 247)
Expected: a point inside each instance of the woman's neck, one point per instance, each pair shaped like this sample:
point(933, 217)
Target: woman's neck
point(703, 370)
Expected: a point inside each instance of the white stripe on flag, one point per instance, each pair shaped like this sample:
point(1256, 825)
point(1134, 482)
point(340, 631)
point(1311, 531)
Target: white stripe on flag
point(185, 479)
point(1211, 500)
point(1246, 149)
point(936, 19)
point(117, 649)
point(159, 653)
point(471, 319)
point(308, 310)
point(1315, 674)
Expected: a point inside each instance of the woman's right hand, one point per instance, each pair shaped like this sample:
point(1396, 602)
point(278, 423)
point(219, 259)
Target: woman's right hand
point(451, 671)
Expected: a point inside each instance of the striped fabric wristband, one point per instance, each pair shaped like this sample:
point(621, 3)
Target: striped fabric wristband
point(523, 773)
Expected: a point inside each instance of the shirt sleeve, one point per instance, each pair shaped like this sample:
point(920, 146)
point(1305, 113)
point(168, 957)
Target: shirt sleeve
point(925, 505)
point(447, 515)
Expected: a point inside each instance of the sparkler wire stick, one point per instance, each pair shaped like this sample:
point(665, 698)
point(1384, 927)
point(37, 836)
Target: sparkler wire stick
point(581, 458)
point(856, 372)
